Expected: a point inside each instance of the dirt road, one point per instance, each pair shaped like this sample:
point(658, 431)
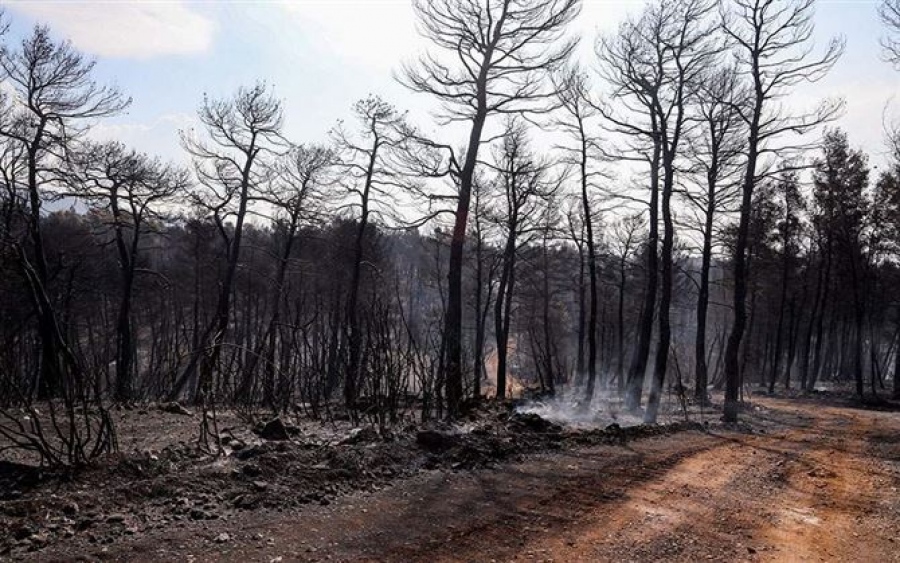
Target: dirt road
point(809, 483)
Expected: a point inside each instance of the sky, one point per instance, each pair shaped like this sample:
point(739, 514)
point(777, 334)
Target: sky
point(320, 56)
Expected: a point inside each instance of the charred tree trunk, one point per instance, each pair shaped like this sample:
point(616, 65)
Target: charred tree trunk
point(125, 345)
point(478, 361)
point(503, 310)
point(793, 328)
point(859, 317)
point(453, 374)
point(701, 374)
point(354, 371)
point(665, 301)
point(49, 379)
point(820, 322)
point(592, 275)
point(582, 316)
point(549, 348)
point(779, 331)
point(732, 350)
point(635, 383)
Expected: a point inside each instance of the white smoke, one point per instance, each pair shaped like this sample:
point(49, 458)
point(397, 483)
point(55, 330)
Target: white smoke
point(569, 407)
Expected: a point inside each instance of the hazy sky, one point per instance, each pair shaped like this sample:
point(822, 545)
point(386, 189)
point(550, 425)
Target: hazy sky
point(322, 55)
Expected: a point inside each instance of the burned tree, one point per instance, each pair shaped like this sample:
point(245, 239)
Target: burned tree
point(840, 179)
point(887, 202)
point(521, 182)
point(577, 110)
point(625, 242)
point(492, 60)
point(789, 205)
point(714, 155)
point(297, 196)
point(685, 38)
point(55, 99)
point(128, 187)
point(771, 41)
point(652, 65)
point(368, 162)
point(629, 67)
point(232, 164)
point(486, 266)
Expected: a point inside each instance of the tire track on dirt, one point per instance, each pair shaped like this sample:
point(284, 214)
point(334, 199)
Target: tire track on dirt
point(804, 493)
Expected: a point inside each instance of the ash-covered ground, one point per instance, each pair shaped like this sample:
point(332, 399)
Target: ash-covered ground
point(162, 479)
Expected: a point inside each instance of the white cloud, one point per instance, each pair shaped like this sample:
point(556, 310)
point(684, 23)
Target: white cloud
point(124, 28)
point(380, 34)
point(377, 34)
